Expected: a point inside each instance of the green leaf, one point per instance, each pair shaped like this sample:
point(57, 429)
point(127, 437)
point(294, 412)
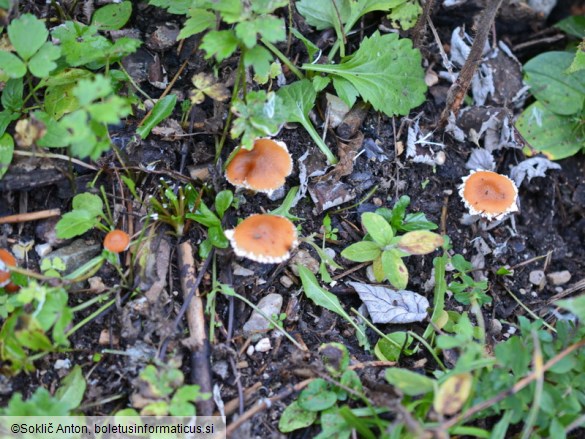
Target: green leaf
point(217, 237)
point(198, 21)
point(180, 7)
point(362, 251)
point(311, 48)
point(574, 25)
point(377, 228)
point(409, 383)
point(223, 200)
point(294, 417)
point(12, 95)
point(60, 100)
point(89, 90)
point(317, 396)
point(405, 15)
point(298, 99)
point(575, 305)
point(335, 358)
point(385, 70)
point(41, 403)
point(394, 269)
point(7, 116)
point(556, 136)
point(27, 34)
point(162, 109)
point(219, 44)
point(578, 63)
point(6, 152)
point(558, 91)
point(113, 16)
point(88, 202)
point(320, 296)
point(42, 63)
point(67, 77)
point(420, 242)
point(12, 65)
point(81, 45)
point(324, 15)
point(259, 58)
point(70, 393)
point(75, 223)
point(390, 350)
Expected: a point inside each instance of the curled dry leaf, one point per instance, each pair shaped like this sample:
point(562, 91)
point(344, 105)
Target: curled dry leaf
point(420, 242)
point(453, 393)
point(389, 306)
point(206, 84)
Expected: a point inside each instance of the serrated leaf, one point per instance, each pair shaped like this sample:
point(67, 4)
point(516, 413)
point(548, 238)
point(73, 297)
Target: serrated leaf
point(27, 34)
point(198, 21)
point(558, 91)
point(410, 383)
point(180, 7)
point(89, 90)
point(385, 70)
point(404, 16)
point(161, 110)
point(389, 306)
point(394, 269)
point(259, 58)
point(324, 15)
point(219, 44)
point(113, 16)
point(377, 228)
point(6, 152)
point(209, 85)
point(12, 95)
point(556, 136)
point(60, 100)
point(362, 251)
point(12, 65)
point(43, 62)
point(75, 223)
point(578, 63)
point(420, 242)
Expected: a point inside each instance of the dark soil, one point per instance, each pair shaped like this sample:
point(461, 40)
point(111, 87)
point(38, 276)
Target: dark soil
point(547, 234)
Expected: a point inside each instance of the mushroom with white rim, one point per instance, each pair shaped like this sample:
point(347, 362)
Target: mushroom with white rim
point(489, 194)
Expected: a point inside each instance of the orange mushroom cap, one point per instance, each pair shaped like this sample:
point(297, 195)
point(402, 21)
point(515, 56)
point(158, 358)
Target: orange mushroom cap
point(6, 259)
point(489, 194)
point(116, 241)
point(264, 238)
point(262, 169)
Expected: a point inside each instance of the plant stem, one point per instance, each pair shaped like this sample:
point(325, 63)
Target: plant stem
point(89, 318)
point(308, 126)
point(228, 121)
point(281, 56)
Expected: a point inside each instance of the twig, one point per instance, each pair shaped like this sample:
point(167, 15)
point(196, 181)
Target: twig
point(532, 376)
point(231, 406)
point(265, 404)
point(419, 30)
point(197, 341)
point(459, 88)
point(30, 216)
point(49, 155)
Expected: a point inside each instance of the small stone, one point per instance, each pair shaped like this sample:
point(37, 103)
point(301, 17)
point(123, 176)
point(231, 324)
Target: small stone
point(496, 327)
point(220, 368)
point(286, 281)
point(537, 277)
point(164, 37)
point(62, 364)
point(43, 249)
point(75, 254)
point(200, 172)
point(106, 338)
point(96, 284)
point(263, 345)
point(241, 271)
point(559, 277)
point(250, 351)
point(304, 258)
point(270, 305)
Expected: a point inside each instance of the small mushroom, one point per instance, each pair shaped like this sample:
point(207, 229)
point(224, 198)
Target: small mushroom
point(262, 169)
point(6, 259)
point(489, 194)
point(264, 238)
point(117, 241)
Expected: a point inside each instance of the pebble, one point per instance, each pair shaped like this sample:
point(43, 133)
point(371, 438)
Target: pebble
point(62, 364)
point(250, 351)
point(75, 254)
point(270, 305)
point(537, 277)
point(286, 281)
point(220, 368)
point(304, 259)
point(496, 326)
point(43, 249)
point(559, 277)
point(263, 345)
